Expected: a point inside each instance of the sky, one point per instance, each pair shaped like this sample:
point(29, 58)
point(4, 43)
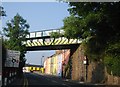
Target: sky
point(40, 16)
point(29, 0)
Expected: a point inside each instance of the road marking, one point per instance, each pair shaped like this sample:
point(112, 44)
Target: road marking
point(66, 85)
point(25, 82)
point(54, 81)
point(63, 84)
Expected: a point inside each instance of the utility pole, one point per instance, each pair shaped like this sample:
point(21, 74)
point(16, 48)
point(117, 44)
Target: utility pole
point(42, 60)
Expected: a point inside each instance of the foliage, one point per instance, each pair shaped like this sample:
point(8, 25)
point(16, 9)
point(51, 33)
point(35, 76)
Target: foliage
point(2, 12)
point(16, 31)
point(55, 34)
point(93, 49)
point(100, 23)
point(112, 57)
point(72, 27)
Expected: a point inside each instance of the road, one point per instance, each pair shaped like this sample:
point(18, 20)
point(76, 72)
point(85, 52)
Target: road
point(42, 80)
point(33, 79)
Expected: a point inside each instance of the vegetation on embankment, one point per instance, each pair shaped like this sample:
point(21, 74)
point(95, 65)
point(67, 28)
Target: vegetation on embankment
point(98, 24)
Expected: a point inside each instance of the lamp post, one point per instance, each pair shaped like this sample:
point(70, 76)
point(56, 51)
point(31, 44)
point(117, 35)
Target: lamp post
point(42, 60)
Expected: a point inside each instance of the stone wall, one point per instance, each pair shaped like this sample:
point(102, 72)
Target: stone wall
point(112, 80)
point(94, 72)
point(78, 68)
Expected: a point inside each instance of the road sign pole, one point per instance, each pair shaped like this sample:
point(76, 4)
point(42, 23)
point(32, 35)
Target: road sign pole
point(0, 61)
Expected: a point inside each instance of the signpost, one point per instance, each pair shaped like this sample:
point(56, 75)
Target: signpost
point(0, 62)
point(10, 66)
point(12, 59)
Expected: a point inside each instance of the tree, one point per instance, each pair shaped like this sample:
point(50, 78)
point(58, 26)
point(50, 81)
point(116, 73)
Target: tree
point(100, 23)
point(56, 34)
point(2, 12)
point(72, 27)
point(16, 32)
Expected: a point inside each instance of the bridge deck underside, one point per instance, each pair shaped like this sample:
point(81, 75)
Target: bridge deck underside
point(52, 47)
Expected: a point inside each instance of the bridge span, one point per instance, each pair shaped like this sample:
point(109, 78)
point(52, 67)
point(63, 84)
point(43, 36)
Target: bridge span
point(42, 40)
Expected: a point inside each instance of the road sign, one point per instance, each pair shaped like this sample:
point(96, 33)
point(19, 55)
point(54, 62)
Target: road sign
point(12, 59)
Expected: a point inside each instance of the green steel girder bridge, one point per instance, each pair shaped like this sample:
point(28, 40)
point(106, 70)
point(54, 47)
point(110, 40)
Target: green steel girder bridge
point(41, 40)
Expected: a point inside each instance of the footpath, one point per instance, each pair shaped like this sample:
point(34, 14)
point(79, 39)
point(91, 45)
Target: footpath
point(17, 82)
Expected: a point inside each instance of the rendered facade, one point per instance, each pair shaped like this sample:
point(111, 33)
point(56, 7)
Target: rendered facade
point(54, 64)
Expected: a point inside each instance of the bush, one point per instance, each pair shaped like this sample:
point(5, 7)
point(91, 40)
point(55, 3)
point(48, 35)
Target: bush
point(112, 58)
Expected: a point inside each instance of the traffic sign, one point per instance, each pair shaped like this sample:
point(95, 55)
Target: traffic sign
point(12, 59)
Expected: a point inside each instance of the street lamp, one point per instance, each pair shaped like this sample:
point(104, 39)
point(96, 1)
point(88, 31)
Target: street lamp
point(41, 60)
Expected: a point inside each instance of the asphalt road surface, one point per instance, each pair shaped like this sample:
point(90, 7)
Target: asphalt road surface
point(42, 80)
point(33, 79)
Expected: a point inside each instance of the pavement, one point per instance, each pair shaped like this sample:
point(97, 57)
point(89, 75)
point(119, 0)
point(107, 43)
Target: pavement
point(17, 82)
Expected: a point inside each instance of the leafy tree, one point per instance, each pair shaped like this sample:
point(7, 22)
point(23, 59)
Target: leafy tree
point(16, 31)
point(72, 27)
point(102, 19)
point(100, 23)
point(2, 12)
point(56, 34)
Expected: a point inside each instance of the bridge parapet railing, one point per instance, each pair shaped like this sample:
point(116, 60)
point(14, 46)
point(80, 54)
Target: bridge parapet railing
point(44, 33)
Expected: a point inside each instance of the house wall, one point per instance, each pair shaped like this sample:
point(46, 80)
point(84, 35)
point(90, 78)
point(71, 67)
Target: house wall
point(47, 65)
point(59, 65)
point(53, 64)
point(65, 59)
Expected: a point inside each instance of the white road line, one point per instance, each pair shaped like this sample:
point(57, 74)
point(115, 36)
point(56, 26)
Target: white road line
point(63, 84)
point(66, 85)
point(54, 81)
point(25, 82)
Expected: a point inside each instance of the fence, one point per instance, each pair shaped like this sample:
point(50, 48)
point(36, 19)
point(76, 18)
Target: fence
point(8, 73)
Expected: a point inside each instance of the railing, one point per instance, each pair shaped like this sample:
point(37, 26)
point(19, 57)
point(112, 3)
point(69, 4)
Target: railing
point(44, 33)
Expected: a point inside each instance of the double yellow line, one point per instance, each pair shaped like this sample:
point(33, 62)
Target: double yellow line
point(25, 82)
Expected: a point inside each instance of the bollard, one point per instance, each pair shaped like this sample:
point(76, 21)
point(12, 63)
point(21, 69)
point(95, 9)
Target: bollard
point(15, 73)
point(9, 81)
point(12, 74)
point(5, 81)
point(9, 74)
